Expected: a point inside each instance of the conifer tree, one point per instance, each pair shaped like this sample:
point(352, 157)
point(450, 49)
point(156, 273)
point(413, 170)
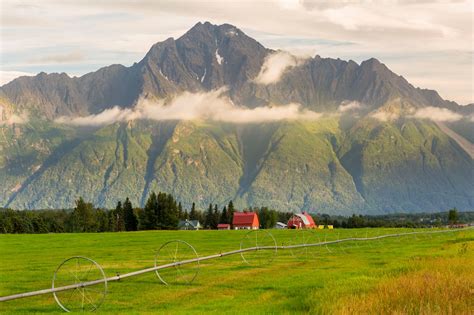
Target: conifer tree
point(83, 216)
point(209, 217)
point(215, 217)
point(149, 220)
point(230, 212)
point(180, 211)
point(224, 218)
point(169, 212)
point(193, 215)
point(119, 217)
point(130, 218)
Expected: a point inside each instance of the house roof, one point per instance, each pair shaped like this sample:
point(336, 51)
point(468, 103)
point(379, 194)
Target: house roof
point(245, 218)
point(193, 223)
point(223, 225)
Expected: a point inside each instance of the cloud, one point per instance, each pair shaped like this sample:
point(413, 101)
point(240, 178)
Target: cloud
point(437, 114)
point(275, 66)
point(9, 120)
point(347, 106)
point(384, 116)
point(106, 117)
point(430, 113)
point(7, 76)
point(214, 106)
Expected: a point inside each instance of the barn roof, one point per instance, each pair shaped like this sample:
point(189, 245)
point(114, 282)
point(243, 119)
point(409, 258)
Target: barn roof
point(303, 218)
point(244, 218)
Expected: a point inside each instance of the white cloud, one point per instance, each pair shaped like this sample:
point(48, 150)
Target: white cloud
point(275, 66)
point(437, 114)
point(106, 117)
point(7, 76)
point(384, 116)
point(349, 106)
point(9, 120)
point(212, 106)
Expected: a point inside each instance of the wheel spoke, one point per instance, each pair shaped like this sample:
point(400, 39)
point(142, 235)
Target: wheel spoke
point(84, 276)
point(71, 295)
point(82, 302)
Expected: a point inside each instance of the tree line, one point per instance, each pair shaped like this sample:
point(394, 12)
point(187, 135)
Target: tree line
point(161, 212)
point(397, 220)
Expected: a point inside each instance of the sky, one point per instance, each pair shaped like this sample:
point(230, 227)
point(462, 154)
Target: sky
point(430, 43)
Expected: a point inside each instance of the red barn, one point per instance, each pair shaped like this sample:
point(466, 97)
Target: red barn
point(223, 226)
point(245, 221)
point(301, 221)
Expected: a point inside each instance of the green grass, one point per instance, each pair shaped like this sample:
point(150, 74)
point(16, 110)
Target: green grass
point(351, 278)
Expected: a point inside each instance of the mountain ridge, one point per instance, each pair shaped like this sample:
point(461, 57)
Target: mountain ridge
point(190, 63)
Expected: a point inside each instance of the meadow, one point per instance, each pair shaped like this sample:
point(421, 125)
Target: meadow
point(422, 274)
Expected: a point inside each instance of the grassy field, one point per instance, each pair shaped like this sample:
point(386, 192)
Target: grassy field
point(407, 275)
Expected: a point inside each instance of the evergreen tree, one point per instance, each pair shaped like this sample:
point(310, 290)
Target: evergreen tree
point(102, 220)
point(267, 218)
point(209, 217)
point(186, 215)
point(160, 209)
point(193, 215)
point(83, 217)
point(130, 218)
point(112, 221)
point(169, 213)
point(230, 212)
point(224, 218)
point(215, 218)
point(149, 219)
point(453, 216)
point(180, 211)
point(119, 217)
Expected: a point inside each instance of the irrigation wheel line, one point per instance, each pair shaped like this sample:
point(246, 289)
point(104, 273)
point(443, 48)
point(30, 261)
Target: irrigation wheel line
point(274, 248)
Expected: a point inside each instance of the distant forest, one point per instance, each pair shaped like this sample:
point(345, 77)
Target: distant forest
point(163, 212)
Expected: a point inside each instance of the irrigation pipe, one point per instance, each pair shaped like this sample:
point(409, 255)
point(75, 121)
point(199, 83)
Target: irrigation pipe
point(184, 262)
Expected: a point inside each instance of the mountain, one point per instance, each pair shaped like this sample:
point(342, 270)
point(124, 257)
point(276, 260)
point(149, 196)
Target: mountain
point(376, 158)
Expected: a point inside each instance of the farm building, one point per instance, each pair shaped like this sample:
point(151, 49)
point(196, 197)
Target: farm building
point(223, 226)
point(301, 221)
point(189, 225)
point(280, 225)
point(245, 221)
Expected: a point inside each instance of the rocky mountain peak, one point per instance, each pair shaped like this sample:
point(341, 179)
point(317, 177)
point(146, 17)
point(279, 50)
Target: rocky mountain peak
point(208, 57)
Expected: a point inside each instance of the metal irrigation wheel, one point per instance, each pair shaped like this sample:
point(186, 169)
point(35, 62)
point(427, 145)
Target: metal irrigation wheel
point(262, 245)
point(173, 252)
point(304, 237)
point(89, 279)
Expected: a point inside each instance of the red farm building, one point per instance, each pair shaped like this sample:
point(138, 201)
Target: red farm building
point(223, 226)
point(301, 221)
point(245, 221)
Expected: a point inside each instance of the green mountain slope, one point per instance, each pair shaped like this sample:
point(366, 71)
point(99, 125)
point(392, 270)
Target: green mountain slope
point(317, 166)
point(345, 162)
